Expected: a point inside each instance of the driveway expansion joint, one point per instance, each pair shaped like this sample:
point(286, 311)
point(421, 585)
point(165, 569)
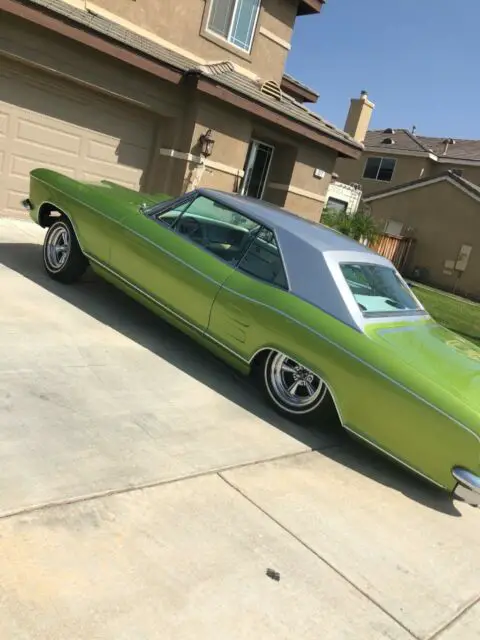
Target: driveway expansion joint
point(456, 618)
point(151, 485)
point(319, 556)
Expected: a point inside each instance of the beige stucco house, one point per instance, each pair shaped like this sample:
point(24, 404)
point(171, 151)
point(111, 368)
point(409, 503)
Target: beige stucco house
point(442, 214)
point(127, 90)
point(396, 156)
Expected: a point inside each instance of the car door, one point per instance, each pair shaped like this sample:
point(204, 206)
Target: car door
point(181, 255)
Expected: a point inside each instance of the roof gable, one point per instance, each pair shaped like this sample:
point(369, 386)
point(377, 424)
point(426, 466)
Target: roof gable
point(462, 184)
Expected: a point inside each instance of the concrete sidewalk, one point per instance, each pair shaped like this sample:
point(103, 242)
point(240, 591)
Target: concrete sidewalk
point(145, 490)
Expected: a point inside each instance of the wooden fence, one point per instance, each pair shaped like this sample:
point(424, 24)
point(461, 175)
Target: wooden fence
point(394, 248)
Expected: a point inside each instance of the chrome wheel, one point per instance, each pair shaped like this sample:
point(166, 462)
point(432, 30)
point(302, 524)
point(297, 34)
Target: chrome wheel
point(57, 248)
point(291, 386)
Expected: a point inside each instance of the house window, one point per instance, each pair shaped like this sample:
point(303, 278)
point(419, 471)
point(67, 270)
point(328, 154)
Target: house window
point(334, 204)
point(394, 228)
point(234, 20)
point(379, 169)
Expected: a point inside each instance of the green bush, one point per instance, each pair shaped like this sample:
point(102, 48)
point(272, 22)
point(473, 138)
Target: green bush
point(360, 226)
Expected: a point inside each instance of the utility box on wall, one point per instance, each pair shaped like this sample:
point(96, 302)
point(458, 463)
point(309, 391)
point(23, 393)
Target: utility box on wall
point(463, 257)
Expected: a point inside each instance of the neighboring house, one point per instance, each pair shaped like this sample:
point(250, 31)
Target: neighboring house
point(140, 91)
point(395, 156)
point(442, 214)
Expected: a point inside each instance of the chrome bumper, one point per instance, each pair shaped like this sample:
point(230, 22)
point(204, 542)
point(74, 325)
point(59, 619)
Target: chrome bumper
point(468, 486)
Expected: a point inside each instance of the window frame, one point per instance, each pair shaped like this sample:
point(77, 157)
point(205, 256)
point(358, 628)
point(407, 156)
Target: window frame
point(282, 262)
point(381, 158)
point(338, 201)
point(227, 40)
point(164, 207)
point(373, 315)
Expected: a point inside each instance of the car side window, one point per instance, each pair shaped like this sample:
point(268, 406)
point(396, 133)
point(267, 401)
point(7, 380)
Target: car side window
point(170, 216)
point(217, 228)
point(264, 261)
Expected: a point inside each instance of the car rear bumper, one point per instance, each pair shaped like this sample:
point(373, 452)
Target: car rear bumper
point(468, 486)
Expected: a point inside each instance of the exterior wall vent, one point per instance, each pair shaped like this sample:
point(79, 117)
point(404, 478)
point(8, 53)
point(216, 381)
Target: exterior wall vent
point(272, 89)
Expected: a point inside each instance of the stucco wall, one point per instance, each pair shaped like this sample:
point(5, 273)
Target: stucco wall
point(32, 44)
point(470, 173)
point(182, 22)
point(442, 219)
point(407, 169)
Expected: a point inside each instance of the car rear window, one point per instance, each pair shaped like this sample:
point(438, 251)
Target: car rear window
point(379, 290)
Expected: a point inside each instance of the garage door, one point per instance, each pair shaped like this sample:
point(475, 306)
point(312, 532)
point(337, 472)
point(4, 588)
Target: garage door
point(49, 122)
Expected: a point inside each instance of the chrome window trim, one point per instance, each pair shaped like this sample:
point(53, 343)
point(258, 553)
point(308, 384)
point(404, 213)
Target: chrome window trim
point(419, 312)
point(282, 261)
point(236, 266)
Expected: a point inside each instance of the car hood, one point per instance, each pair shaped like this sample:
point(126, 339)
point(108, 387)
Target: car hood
point(443, 357)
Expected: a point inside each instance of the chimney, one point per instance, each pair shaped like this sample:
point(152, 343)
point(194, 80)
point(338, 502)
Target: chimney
point(359, 115)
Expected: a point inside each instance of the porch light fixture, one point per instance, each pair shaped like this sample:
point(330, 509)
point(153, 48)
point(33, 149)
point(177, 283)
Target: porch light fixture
point(207, 141)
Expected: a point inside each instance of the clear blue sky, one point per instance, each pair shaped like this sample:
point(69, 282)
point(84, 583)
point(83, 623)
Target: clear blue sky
point(419, 60)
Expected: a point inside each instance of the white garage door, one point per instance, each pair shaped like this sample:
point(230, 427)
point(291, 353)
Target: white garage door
point(49, 122)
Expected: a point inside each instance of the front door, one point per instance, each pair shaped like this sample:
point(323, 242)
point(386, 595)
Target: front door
point(257, 167)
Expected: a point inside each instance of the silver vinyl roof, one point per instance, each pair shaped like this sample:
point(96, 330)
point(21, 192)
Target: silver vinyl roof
point(312, 255)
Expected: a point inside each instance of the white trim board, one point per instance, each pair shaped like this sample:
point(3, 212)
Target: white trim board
point(419, 185)
point(211, 164)
point(274, 38)
point(296, 190)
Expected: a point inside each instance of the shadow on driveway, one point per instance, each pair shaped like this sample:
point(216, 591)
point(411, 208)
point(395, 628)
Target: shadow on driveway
point(113, 308)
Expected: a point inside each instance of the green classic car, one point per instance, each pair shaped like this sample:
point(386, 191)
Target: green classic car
point(318, 316)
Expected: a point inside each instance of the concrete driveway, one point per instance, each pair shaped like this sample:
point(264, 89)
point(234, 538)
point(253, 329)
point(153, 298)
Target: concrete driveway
point(145, 490)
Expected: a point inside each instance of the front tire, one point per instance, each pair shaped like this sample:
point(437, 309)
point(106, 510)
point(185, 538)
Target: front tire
point(62, 257)
point(292, 389)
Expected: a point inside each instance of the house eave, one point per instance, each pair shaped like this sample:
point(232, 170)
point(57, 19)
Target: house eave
point(209, 87)
point(309, 7)
point(300, 93)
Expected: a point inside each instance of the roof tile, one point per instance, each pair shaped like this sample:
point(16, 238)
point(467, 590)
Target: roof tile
point(407, 141)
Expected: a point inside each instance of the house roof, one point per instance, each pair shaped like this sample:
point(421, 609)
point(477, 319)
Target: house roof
point(461, 183)
point(298, 89)
point(406, 141)
point(224, 74)
point(306, 7)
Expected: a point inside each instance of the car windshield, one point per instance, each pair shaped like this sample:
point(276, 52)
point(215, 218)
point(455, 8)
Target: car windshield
point(378, 290)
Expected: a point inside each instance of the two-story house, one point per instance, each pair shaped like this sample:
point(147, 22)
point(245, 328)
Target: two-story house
point(394, 157)
point(426, 189)
point(163, 96)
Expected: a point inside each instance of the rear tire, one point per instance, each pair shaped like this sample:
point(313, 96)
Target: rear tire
point(293, 390)
point(62, 257)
